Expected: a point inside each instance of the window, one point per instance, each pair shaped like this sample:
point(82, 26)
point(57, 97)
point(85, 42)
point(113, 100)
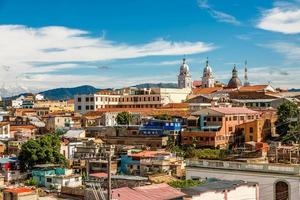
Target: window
point(219, 119)
point(92, 107)
point(242, 117)
point(92, 99)
point(251, 129)
point(79, 107)
point(79, 99)
point(49, 180)
point(208, 119)
point(87, 99)
point(234, 118)
point(87, 107)
point(214, 119)
point(230, 128)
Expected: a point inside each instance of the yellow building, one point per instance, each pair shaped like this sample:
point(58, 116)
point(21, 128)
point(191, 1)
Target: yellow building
point(258, 129)
point(49, 106)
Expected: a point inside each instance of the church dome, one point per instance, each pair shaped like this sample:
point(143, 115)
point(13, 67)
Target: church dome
point(184, 68)
point(234, 82)
point(207, 69)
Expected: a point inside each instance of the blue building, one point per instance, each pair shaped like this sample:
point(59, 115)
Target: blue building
point(160, 127)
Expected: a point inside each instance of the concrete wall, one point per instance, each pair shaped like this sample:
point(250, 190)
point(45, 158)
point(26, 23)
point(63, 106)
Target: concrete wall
point(266, 181)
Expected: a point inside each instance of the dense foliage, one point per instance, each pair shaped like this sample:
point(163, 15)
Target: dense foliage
point(124, 118)
point(43, 150)
point(163, 117)
point(191, 152)
point(287, 118)
point(31, 182)
point(185, 183)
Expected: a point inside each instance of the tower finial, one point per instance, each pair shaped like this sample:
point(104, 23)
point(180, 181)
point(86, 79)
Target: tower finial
point(184, 59)
point(207, 61)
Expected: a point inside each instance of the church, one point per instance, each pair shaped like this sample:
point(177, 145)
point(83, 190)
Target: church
point(207, 79)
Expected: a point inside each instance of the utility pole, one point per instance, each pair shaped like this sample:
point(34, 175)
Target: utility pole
point(109, 197)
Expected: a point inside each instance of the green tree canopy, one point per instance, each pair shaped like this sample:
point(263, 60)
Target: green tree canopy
point(124, 118)
point(163, 117)
point(43, 150)
point(287, 114)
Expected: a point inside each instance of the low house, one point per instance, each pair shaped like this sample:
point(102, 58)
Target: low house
point(53, 177)
point(151, 162)
point(75, 134)
point(223, 190)
point(20, 193)
point(4, 130)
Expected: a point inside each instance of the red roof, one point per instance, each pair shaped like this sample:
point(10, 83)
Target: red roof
point(16, 128)
point(253, 88)
point(19, 190)
point(199, 91)
point(234, 110)
point(159, 191)
point(197, 83)
point(146, 154)
point(126, 193)
point(99, 175)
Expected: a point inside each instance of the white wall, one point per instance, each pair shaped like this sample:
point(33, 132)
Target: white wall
point(266, 181)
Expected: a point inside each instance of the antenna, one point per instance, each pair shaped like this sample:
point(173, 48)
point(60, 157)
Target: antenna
point(246, 83)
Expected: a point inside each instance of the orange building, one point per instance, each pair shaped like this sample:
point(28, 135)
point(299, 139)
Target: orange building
point(216, 127)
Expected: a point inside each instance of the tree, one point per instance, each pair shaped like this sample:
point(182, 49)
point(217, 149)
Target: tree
point(163, 117)
point(43, 150)
point(124, 118)
point(287, 114)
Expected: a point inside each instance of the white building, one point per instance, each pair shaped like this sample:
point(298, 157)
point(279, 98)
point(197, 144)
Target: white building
point(135, 98)
point(184, 77)
point(4, 130)
point(39, 97)
point(207, 78)
point(276, 181)
point(18, 102)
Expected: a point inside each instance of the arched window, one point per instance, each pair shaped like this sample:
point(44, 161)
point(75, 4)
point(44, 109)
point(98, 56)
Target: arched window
point(281, 191)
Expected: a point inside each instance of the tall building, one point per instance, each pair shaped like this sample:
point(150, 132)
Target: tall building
point(246, 83)
point(184, 77)
point(234, 82)
point(207, 78)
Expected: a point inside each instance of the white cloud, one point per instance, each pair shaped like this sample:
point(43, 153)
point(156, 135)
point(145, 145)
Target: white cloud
point(291, 51)
point(218, 15)
point(283, 18)
point(23, 49)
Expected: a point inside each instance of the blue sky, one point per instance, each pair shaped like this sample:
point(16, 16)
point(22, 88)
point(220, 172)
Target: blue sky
point(116, 43)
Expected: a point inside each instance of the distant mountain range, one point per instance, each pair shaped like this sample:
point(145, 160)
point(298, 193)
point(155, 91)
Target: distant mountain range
point(69, 93)
point(294, 90)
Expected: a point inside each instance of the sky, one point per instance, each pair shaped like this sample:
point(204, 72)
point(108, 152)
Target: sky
point(117, 43)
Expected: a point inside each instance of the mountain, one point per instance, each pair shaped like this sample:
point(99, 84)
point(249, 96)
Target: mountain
point(294, 90)
point(68, 93)
point(156, 85)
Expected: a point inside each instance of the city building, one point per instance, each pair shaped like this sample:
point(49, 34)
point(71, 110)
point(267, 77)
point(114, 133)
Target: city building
point(50, 176)
point(132, 98)
point(234, 82)
point(276, 181)
point(208, 80)
point(20, 193)
point(184, 77)
point(216, 126)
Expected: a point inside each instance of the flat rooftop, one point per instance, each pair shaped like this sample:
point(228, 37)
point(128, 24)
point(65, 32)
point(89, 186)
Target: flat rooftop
point(243, 166)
